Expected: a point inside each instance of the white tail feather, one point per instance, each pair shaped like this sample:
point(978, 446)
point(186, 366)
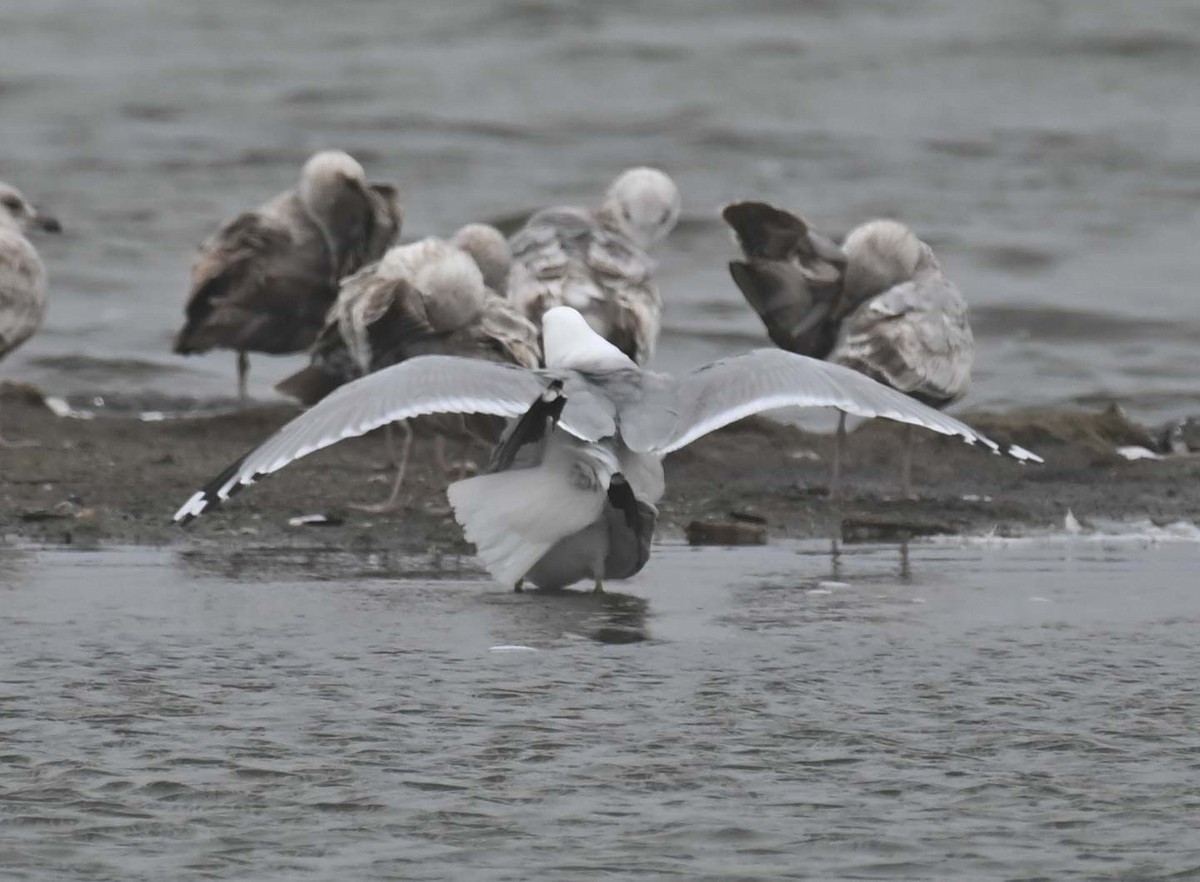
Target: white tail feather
point(513, 518)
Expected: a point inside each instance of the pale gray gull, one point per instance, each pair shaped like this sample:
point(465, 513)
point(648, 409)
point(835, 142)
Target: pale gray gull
point(265, 279)
point(22, 274)
point(880, 304)
point(617, 419)
point(431, 297)
point(598, 261)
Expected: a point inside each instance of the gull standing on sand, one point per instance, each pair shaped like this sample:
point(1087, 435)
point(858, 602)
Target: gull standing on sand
point(880, 304)
point(615, 419)
point(433, 297)
point(265, 280)
point(22, 274)
point(598, 261)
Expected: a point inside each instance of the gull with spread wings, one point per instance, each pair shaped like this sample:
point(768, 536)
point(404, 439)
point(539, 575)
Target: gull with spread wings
point(615, 425)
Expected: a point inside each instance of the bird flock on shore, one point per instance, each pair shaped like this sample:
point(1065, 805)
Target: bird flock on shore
point(537, 345)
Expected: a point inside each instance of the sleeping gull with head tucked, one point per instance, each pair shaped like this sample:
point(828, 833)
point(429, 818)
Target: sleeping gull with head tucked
point(616, 419)
point(880, 304)
point(431, 297)
point(22, 274)
point(598, 261)
point(264, 281)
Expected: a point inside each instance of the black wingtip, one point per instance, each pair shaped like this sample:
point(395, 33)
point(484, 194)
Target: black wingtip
point(620, 494)
point(543, 414)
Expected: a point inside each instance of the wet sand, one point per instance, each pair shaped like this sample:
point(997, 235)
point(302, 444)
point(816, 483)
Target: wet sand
point(117, 481)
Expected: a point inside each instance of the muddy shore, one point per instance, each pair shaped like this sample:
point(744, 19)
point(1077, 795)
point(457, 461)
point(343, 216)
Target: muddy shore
point(117, 481)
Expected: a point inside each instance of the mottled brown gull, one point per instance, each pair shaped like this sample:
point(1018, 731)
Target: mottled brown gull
point(22, 274)
point(265, 279)
point(617, 420)
point(432, 297)
point(880, 304)
point(598, 261)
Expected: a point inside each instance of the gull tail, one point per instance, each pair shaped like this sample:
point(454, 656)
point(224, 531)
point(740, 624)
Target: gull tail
point(513, 518)
point(791, 275)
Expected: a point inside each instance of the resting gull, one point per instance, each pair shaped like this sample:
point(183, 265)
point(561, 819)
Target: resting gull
point(879, 304)
point(265, 280)
point(22, 273)
point(616, 419)
point(432, 297)
point(597, 261)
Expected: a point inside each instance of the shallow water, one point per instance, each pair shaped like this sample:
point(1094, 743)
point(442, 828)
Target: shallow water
point(1045, 147)
point(961, 711)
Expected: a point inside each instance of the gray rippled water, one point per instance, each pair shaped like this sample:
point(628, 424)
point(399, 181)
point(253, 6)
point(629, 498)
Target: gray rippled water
point(1026, 711)
point(1045, 147)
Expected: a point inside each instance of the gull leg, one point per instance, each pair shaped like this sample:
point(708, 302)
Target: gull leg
point(465, 466)
point(520, 586)
point(389, 440)
point(243, 369)
point(393, 501)
point(906, 464)
point(439, 454)
point(598, 588)
point(839, 441)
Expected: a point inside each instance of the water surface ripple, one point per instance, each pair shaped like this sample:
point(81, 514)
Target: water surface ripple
point(958, 713)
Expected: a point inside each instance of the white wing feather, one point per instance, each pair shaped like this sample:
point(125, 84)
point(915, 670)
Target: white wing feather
point(419, 386)
point(733, 388)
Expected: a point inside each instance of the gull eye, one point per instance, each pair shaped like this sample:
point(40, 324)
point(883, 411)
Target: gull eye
point(12, 203)
point(666, 216)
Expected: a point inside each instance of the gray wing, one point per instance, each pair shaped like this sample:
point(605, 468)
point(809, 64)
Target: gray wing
point(914, 337)
point(674, 413)
point(424, 385)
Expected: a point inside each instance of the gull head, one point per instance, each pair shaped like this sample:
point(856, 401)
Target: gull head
point(451, 287)
point(569, 343)
point(325, 179)
point(881, 254)
point(489, 249)
point(17, 213)
point(644, 203)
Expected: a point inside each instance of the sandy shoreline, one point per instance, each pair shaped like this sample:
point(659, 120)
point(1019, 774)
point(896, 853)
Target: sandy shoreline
point(117, 481)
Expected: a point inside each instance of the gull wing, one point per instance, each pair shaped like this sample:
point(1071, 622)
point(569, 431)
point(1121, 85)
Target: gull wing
point(423, 385)
point(914, 337)
point(732, 388)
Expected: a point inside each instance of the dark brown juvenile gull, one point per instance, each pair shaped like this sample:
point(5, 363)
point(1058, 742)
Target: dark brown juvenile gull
point(265, 280)
point(598, 261)
point(880, 304)
point(617, 420)
point(22, 274)
point(433, 297)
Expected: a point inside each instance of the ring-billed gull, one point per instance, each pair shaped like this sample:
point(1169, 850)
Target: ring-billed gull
point(880, 304)
point(22, 273)
point(598, 261)
point(265, 279)
point(617, 419)
point(432, 297)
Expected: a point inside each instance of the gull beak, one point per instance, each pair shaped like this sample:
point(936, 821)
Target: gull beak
point(47, 222)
